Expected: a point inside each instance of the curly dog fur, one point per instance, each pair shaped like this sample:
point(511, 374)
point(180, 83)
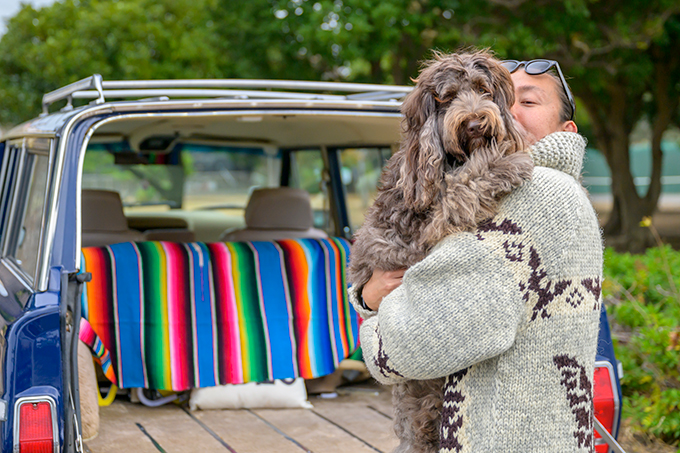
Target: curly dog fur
point(461, 152)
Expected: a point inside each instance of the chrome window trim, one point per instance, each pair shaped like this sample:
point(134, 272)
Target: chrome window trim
point(80, 113)
point(79, 187)
point(349, 108)
point(35, 147)
point(49, 193)
point(17, 223)
point(8, 199)
point(50, 226)
point(35, 399)
point(3, 170)
point(15, 270)
point(617, 403)
point(11, 219)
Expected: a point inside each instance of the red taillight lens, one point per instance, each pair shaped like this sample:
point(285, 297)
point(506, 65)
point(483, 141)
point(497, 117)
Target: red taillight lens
point(604, 402)
point(35, 428)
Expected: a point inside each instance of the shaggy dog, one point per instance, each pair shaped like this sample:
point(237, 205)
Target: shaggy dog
point(461, 152)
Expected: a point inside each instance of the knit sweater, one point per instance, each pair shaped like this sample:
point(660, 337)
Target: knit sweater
point(509, 313)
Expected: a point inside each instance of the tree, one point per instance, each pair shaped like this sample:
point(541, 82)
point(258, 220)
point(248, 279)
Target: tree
point(358, 40)
point(620, 55)
point(624, 65)
point(48, 48)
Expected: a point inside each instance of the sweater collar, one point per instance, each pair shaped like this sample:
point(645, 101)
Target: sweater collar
point(563, 151)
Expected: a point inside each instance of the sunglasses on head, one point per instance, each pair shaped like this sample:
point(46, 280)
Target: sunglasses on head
point(537, 67)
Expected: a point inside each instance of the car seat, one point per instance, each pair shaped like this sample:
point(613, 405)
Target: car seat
point(103, 219)
point(276, 213)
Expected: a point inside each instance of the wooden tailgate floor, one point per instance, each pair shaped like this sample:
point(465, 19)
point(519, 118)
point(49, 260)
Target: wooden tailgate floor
point(358, 420)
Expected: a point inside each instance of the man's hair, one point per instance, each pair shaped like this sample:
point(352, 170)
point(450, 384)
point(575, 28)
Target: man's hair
point(565, 109)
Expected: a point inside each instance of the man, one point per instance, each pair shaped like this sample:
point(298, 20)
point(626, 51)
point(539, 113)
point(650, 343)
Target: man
point(509, 312)
point(542, 106)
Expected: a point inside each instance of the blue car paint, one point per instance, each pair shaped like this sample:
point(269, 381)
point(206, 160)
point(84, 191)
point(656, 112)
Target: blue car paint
point(605, 351)
point(30, 345)
point(31, 353)
point(32, 360)
point(64, 248)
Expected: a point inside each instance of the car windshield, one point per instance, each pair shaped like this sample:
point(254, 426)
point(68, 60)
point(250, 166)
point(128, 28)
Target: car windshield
point(190, 177)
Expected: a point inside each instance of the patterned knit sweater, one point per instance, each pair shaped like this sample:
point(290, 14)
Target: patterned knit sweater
point(509, 313)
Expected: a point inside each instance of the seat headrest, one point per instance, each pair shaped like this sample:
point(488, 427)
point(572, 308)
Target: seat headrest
point(282, 208)
point(102, 210)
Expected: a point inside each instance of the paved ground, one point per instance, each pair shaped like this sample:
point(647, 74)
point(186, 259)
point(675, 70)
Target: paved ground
point(358, 420)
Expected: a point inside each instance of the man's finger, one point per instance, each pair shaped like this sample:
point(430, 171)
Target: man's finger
point(393, 285)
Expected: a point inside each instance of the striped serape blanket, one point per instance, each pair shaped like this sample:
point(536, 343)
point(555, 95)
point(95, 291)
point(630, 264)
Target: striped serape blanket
point(175, 316)
point(101, 354)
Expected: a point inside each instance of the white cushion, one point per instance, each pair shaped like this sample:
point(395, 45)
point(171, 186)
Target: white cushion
point(289, 393)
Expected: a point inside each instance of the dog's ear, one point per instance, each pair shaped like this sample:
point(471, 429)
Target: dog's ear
point(422, 166)
point(504, 89)
point(504, 97)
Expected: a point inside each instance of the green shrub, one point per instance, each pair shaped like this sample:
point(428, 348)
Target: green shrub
point(641, 295)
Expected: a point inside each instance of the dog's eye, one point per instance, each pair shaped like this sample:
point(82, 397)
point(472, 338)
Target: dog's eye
point(482, 90)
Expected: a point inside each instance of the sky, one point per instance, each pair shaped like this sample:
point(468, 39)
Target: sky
point(9, 8)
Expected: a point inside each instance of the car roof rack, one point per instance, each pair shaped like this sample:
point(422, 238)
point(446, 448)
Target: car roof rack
point(95, 87)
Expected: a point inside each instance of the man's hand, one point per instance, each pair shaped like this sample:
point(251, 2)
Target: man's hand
point(380, 285)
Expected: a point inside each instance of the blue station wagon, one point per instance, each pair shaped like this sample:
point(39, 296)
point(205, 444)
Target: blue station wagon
point(155, 184)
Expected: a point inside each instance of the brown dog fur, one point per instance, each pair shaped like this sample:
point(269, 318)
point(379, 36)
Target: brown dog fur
point(461, 152)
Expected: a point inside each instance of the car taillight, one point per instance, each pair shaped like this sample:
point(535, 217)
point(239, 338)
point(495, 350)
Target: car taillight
point(605, 401)
point(34, 428)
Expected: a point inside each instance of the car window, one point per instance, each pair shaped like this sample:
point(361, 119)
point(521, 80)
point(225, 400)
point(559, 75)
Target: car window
point(8, 178)
point(28, 174)
point(360, 172)
point(307, 172)
point(28, 241)
point(192, 177)
point(224, 180)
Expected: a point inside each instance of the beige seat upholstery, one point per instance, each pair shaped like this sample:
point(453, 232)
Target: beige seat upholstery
point(274, 214)
point(103, 219)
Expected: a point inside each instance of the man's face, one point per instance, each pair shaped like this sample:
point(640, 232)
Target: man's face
point(537, 105)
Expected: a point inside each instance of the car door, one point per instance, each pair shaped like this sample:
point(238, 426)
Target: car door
point(30, 321)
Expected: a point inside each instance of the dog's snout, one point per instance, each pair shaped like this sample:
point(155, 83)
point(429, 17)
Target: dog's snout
point(474, 127)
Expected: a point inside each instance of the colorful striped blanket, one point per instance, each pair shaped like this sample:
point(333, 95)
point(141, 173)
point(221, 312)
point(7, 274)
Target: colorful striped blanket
point(175, 316)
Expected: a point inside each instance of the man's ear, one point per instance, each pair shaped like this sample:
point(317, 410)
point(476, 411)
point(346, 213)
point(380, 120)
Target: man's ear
point(569, 126)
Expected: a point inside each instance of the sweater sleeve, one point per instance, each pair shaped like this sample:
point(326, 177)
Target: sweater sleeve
point(356, 301)
point(459, 306)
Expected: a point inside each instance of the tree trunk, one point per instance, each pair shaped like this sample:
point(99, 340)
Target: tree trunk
point(623, 229)
point(612, 128)
point(376, 71)
point(665, 106)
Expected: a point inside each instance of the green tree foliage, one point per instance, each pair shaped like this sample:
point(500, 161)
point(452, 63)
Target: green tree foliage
point(359, 40)
point(621, 56)
point(45, 49)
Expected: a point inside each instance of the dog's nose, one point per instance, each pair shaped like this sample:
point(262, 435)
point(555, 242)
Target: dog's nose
point(474, 127)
